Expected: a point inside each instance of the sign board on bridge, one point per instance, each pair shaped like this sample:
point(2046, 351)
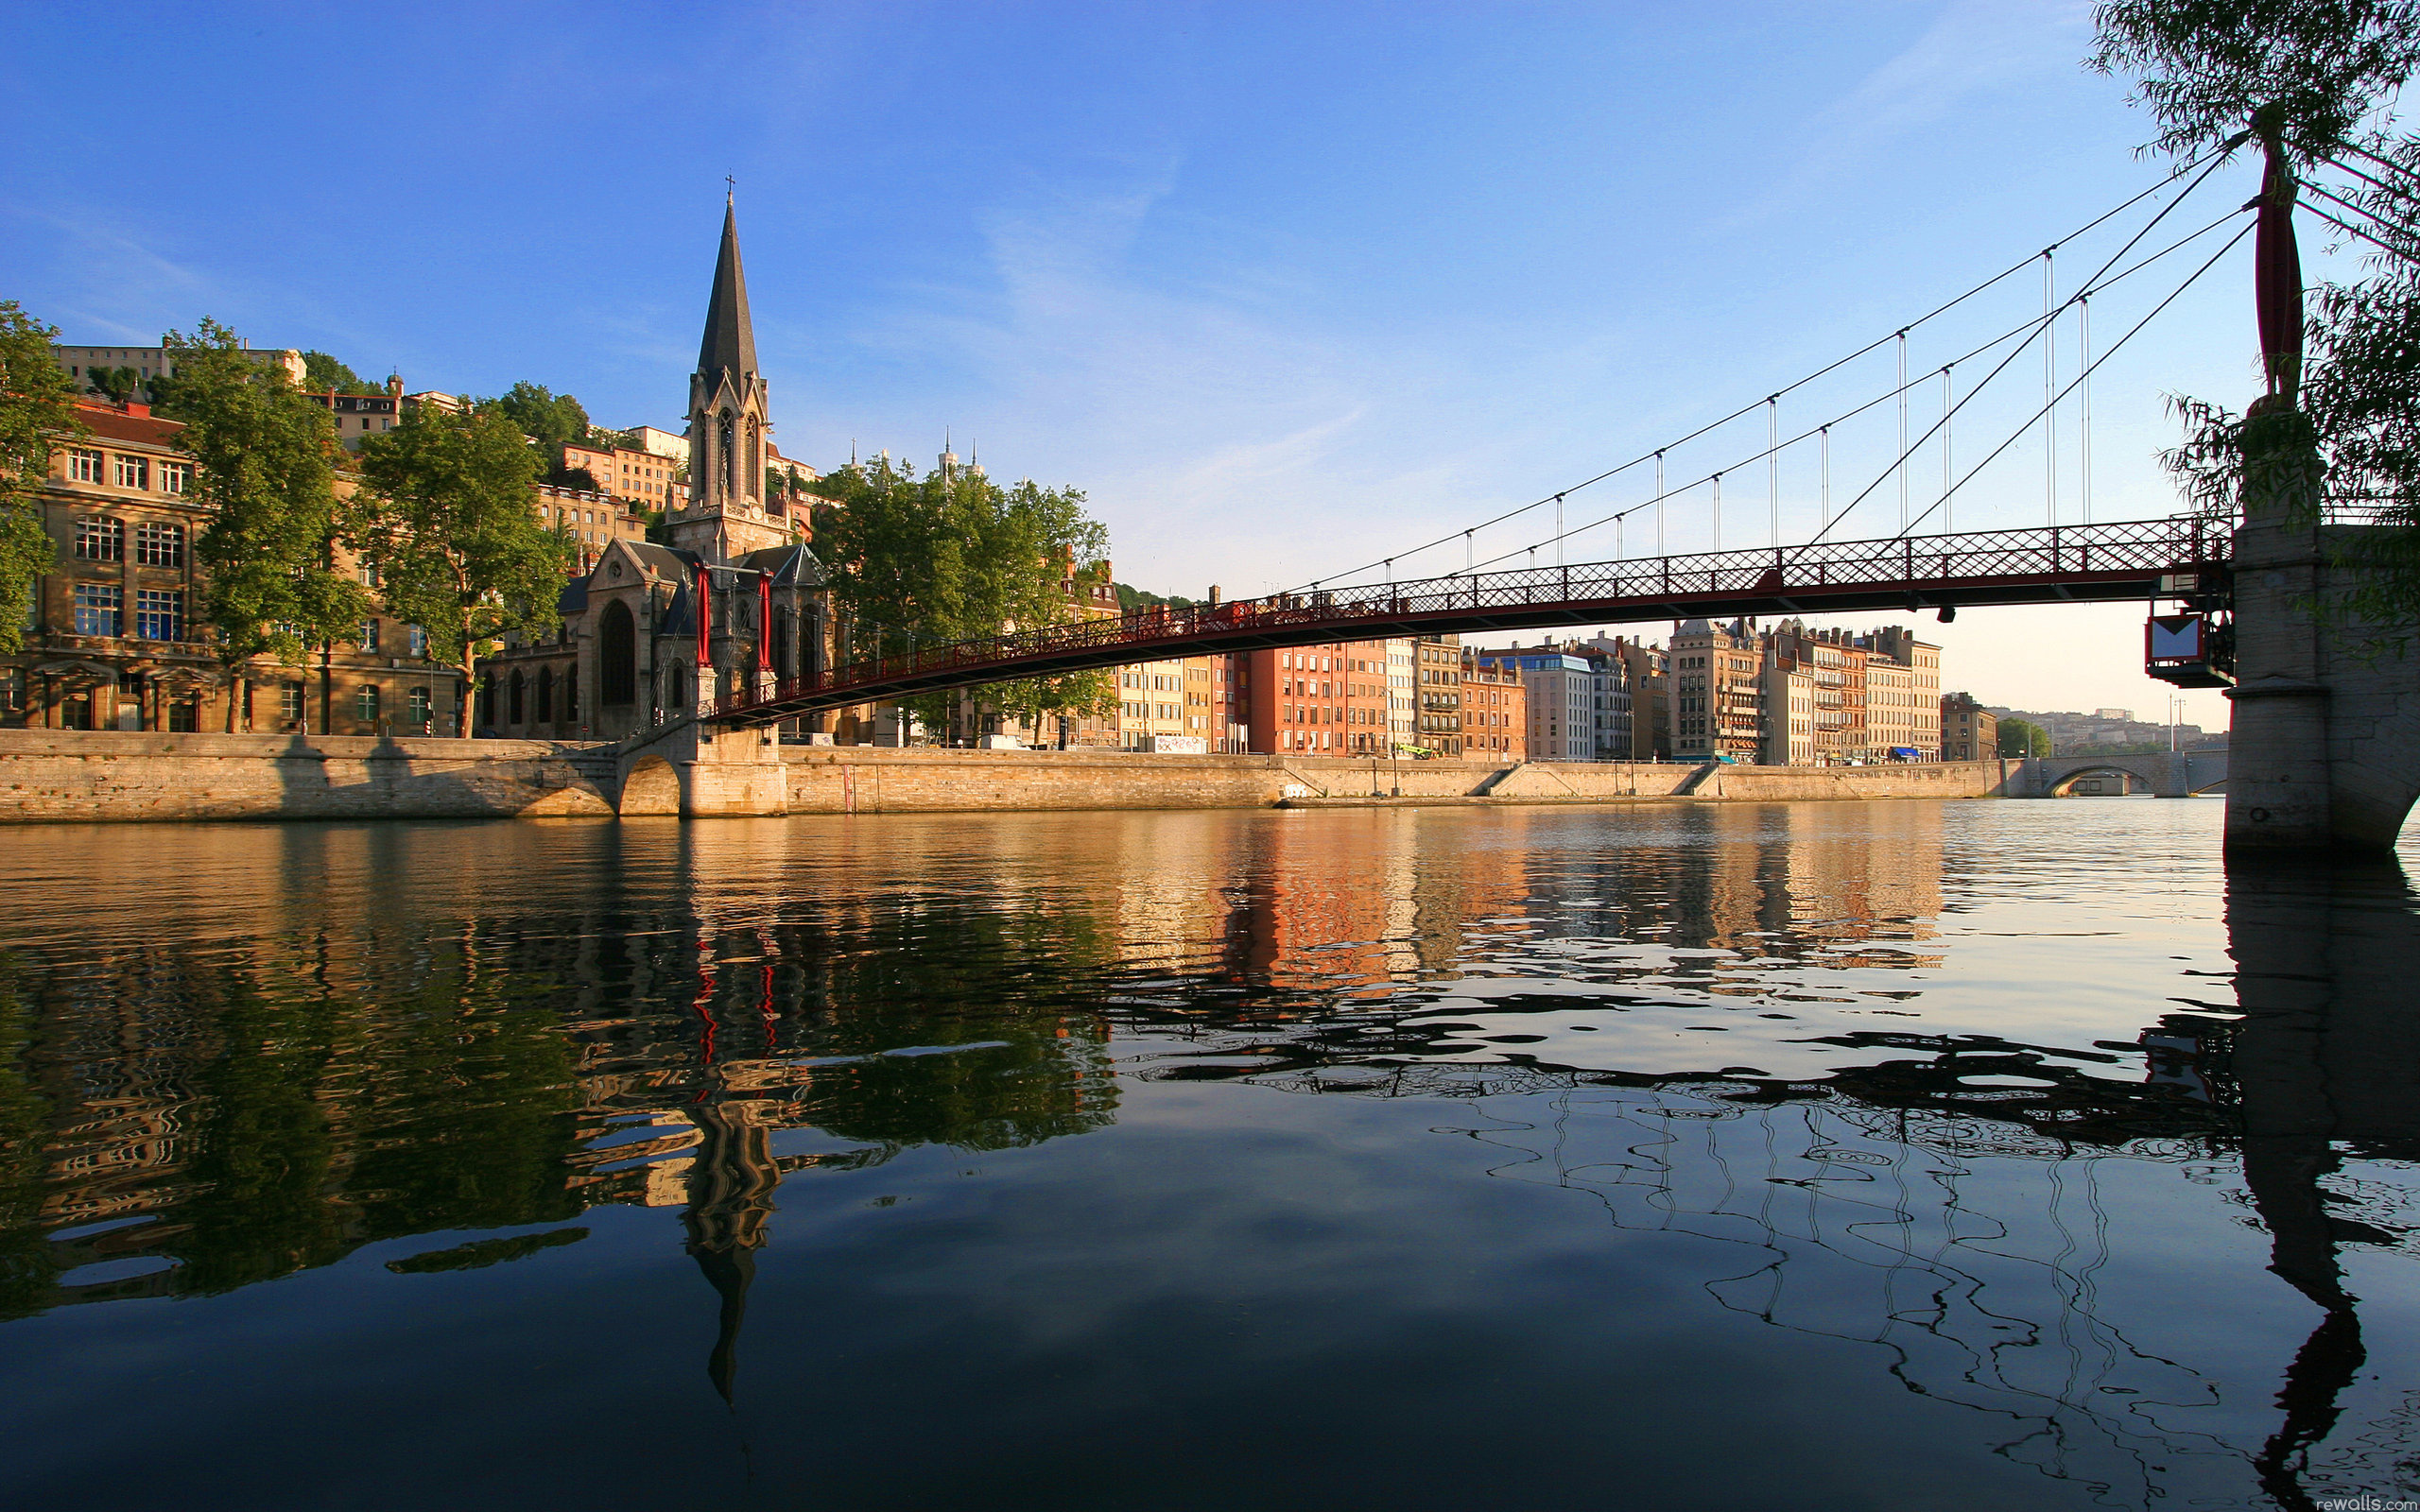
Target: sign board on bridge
point(1180, 744)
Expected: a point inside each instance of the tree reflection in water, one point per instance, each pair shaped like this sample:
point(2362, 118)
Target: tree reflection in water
point(736, 1007)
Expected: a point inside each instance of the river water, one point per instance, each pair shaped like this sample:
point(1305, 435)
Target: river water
point(1984, 1154)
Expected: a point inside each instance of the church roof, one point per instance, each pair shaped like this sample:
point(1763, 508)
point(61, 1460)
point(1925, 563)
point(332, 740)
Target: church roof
point(788, 565)
point(730, 341)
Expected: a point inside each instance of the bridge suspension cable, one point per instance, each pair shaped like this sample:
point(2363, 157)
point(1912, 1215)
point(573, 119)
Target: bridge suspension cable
point(2113, 349)
point(2029, 329)
point(2208, 163)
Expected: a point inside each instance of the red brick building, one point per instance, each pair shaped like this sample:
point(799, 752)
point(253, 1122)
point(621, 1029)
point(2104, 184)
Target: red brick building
point(1316, 699)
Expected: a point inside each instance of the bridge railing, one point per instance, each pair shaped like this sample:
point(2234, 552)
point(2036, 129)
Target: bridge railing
point(2050, 553)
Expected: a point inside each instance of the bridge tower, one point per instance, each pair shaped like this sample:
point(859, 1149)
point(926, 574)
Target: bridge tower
point(2325, 752)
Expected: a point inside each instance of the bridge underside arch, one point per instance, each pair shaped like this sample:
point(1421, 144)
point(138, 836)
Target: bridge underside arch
point(650, 787)
point(2065, 787)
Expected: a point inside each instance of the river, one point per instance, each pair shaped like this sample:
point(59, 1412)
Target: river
point(1840, 1155)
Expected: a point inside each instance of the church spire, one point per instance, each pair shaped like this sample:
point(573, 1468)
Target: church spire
point(729, 342)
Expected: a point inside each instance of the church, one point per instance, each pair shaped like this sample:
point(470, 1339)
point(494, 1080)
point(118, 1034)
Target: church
point(733, 598)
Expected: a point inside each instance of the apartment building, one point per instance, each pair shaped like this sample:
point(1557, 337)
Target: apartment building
point(635, 479)
point(1903, 695)
point(1436, 677)
point(1495, 710)
point(595, 520)
point(160, 361)
point(1318, 700)
point(1717, 692)
point(116, 639)
point(1403, 694)
point(1558, 700)
point(1969, 731)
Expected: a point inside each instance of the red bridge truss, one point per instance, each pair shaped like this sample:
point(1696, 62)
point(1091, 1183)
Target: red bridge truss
point(2044, 564)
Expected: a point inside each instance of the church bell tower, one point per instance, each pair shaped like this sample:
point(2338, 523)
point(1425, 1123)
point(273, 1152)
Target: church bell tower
point(729, 431)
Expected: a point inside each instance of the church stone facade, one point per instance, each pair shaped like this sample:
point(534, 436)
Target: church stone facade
point(735, 598)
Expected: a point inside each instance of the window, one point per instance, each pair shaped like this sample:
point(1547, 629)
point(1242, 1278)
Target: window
point(369, 571)
point(158, 544)
point(365, 703)
point(160, 615)
point(84, 467)
point(368, 638)
point(99, 538)
point(130, 472)
point(175, 477)
point(418, 703)
point(99, 608)
point(545, 695)
point(415, 642)
point(184, 717)
point(289, 701)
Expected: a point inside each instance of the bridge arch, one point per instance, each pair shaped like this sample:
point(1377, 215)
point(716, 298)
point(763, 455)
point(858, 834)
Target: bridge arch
point(651, 786)
point(2065, 787)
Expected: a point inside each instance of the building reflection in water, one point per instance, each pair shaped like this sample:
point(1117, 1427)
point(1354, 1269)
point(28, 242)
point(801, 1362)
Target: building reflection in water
point(686, 1016)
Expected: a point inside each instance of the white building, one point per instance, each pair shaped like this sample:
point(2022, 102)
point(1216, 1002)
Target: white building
point(1403, 706)
point(1561, 694)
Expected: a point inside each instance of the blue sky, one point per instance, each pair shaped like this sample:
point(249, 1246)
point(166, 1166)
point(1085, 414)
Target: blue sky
point(1284, 287)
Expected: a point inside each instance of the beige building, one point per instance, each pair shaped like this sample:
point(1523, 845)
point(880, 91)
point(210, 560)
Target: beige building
point(634, 479)
point(160, 361)
point(1718, 692)
point(1969, 731)
point(1903, 694)
point(595, 521)
point(117, 641)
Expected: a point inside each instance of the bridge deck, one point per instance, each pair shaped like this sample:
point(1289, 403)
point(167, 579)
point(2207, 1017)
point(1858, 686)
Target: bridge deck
point(2045, 565)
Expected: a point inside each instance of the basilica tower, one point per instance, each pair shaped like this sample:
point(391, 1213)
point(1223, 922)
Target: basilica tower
point(729, 431)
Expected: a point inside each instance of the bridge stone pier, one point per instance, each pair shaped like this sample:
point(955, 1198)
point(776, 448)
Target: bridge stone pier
point(2325, 734)
point(697, 770)
point(2168, 774)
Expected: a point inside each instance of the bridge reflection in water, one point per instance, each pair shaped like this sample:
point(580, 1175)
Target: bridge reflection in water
point(748, 1005)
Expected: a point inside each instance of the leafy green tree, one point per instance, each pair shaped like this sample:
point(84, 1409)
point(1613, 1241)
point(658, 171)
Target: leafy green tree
point(577, 477)
point(116, 385)
point(1130, 598)
point(2022, 737)
point(2314, 79)
point(322, 372)
point(264, 476)
point(551, 421)
point(927, 562)
point(461, 552)
point(37, 413)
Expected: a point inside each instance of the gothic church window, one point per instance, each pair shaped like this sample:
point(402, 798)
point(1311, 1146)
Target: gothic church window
point(722, 450)
point(617, 657)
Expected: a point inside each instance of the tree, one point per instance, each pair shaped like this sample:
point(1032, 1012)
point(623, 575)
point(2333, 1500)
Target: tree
point(932, 560)
point(2022, 737)
point(460, 551)
point(116, 385)
point(37, 412)
point(264, 476)
point(2313, 80)
point(322, 372)
point(551, 421)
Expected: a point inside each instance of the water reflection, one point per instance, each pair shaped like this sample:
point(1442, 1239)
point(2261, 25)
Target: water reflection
point(1777, 1039)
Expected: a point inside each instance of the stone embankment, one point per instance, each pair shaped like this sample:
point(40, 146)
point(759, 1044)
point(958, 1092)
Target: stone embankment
point(114, 776)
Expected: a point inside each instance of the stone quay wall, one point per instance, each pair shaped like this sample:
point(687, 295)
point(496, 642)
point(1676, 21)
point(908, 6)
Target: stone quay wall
point(119, 776)
point(111, 775)
point(860, 780)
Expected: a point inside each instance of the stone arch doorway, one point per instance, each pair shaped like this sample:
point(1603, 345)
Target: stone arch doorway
point(617, 657)
point(650, 787)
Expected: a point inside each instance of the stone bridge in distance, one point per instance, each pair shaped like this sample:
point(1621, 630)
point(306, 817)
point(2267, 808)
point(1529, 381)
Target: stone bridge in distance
point(2168, 774)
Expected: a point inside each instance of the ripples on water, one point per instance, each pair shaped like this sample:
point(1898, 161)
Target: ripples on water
point(1819, 1155)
